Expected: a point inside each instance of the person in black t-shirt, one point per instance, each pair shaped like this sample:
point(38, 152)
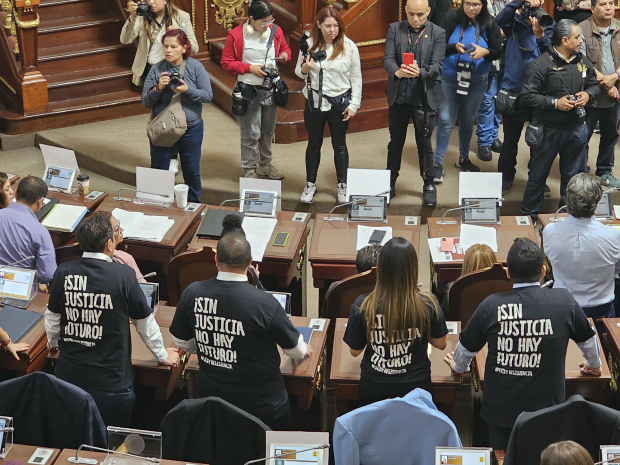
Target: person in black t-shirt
point(527, 331)
point(235, 329)
point(393, 325)
point(87, 318)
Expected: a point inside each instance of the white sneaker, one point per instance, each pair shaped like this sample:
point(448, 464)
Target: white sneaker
point(342, 192)
point(174, 166)
point(308, 194)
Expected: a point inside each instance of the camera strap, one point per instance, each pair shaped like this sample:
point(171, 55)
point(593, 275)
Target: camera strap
point(274, 28)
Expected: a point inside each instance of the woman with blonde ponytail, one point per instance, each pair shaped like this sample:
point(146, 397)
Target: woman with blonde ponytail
point(393, 325)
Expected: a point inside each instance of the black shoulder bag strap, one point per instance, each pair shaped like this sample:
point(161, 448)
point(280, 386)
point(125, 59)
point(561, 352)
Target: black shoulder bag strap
point(309, 90)
point(274, 28)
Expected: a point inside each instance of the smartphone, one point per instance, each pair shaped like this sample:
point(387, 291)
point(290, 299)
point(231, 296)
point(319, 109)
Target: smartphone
point(407, 59)
point(377, 236)
point(447, 244)
point(469, 48)
point(280, 239)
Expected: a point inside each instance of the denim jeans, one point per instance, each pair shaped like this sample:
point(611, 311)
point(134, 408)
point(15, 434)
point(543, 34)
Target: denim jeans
point(257, 127)
point(487, 121)
point(462, 106)
point(115, 407)
point(571, 145)
point(190, 148)
point(608, 120)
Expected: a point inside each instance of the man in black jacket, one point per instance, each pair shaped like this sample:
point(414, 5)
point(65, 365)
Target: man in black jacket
point(527, 331)
point(557, 85)
point(414, 91)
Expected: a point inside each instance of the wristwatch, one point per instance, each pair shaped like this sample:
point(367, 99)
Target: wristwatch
point(618, 74)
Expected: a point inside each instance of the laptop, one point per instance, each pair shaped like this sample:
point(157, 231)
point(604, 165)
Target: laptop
point(59, 179)
point(463, 456)
point(17, 286)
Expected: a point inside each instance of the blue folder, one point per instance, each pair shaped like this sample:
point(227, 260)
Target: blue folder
point(17, 322)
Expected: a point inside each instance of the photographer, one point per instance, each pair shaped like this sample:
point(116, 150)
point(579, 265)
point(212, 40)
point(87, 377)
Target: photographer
point(601, 44)
point(166, 79)
point(332, 69)
point(526, 39)
point(474, 40)
point(557, 85)
point(149, 21)
point(247, 54)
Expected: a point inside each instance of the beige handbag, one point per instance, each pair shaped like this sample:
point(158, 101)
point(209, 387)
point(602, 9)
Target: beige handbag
point(168, 127)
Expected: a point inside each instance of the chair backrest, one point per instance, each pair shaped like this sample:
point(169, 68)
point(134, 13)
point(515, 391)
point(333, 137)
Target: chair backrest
point(189, 267)
point(469, 291)
point(67, 253)
point(211, 430)
point(343, 294)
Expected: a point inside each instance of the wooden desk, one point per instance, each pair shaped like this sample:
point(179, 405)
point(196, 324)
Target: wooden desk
point(101, 456)
point(612, 342)
point(590, 387)
point(147, 371)
point(21, 453)
point(35, 358)
point(332, 250)
point(62, 238)
point(507, 232)
point(345, 371)
point(301, 380)
point(282, 262)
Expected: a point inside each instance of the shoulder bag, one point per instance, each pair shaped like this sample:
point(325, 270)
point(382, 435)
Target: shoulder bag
point(168, 127)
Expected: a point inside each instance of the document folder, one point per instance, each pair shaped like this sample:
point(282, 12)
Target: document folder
point(211, 227)
point(17, 322)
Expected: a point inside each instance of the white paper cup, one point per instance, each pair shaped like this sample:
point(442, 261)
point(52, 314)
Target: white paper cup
point(180, 194)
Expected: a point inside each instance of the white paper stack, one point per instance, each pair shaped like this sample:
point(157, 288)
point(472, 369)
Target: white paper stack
point(143, 227)
point(258, 231)
point(434, 246)
point(64, 218)
point(472, 234)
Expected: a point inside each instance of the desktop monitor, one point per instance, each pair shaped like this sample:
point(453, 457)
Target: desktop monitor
point(17, 283)
point(60, 179)
point(368, 208)
point(259, 203)
point(483, 211)
point(604, 208)
point(151, 293)
point(462, 456)
point(610, 454)
point(284, 298)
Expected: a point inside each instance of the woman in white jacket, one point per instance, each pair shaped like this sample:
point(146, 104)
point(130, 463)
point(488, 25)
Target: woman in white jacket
point(334, 94)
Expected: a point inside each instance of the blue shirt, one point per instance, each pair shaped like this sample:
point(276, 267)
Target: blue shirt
point(584, 255)
point(404, 430)
point(21, 235)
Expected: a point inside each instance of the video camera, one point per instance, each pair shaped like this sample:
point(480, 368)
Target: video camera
point(305, 50)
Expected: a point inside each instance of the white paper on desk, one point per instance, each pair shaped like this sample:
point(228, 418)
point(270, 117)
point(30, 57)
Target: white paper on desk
point(258, 232)
point(434, 244)
point(472, 234)
point(617, 211)
point(137, 225)
point(56, 156)
point(368, 182)
point(364, 233)
point(479, 186)
point(154, 181)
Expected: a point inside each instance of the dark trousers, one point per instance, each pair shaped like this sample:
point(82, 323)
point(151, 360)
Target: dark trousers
point(115, 407)
point(598, 313)
point(608, 120)
point(399, 117)
point(315, 126)
point(370, 392)
point(499, 436)
point(570, 144)
point(189, 147)
point(513, 127)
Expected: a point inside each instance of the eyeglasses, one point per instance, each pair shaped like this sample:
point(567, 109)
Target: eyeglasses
point(473, 6)
point(267, 23)
point(118, 229)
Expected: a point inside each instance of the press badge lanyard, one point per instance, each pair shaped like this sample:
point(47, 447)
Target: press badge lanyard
point(570, 65)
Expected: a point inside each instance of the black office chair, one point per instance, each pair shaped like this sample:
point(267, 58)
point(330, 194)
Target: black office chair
point(211, 430)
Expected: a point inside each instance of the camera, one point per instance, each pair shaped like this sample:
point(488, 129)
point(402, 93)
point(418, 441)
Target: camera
point(272, 74)
point(144, 9)
point(175, 79)
point(541, 16)
point(463, 76)
point(305, 50)
point(581, 112)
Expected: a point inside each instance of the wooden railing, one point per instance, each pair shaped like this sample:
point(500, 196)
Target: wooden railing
point(21, 83)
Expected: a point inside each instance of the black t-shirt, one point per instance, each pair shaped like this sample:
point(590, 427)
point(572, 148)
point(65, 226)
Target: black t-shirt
point(405, 361)
point(236, 328)
point(96, 299)
point(527, 330)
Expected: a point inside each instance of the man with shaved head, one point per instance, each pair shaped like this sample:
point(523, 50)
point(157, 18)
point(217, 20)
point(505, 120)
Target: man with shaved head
point(414, 90)
point(235, 330)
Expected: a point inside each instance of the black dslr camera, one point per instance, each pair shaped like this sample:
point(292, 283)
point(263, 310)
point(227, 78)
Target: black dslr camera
point(581, 112)
point(305, 50)
point(541, 16)
point(272, 74)
point(144, 9)
point(175, 79)
point(463, 76)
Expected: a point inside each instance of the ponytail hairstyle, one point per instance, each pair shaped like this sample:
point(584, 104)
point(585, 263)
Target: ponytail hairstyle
point(318, 41)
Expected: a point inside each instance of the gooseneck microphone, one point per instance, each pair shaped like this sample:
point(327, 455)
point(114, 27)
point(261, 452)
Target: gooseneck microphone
point(31, 257)
point(465, 207)
point(127, 199)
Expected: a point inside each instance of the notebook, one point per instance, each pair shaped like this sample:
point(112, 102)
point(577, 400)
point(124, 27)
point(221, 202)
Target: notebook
point(17, 322)
point(48, 204)
point(64, 218)
point(211, 227)
point(306, 332)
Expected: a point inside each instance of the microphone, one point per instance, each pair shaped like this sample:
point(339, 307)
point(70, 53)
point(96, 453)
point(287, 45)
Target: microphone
point(353, 202)
point(127, 199)
point(149, 275)
point(8, 429)
point(272, 197)
point(547, 284)
point(555, 218)
point(322, 446)
point(84, 460)
point(487, 202)
point(31, 257)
